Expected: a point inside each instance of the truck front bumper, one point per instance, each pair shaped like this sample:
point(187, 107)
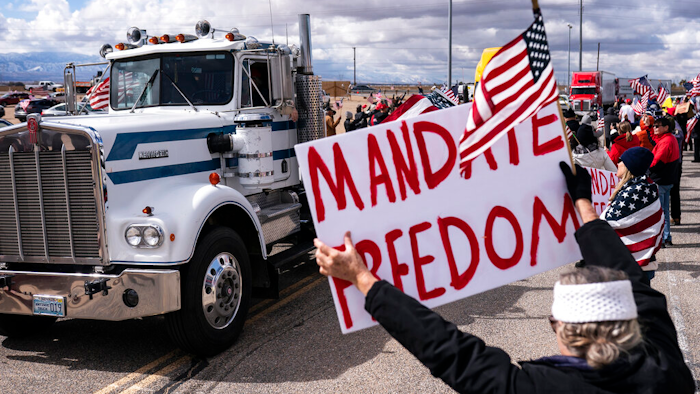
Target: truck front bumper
point(158, 292)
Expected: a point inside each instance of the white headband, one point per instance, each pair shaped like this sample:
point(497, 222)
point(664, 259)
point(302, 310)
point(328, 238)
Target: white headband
point(594, 302)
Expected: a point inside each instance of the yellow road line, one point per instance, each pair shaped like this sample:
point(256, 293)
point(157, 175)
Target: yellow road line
point(163, 373)
point(177, 363)
point(138, 373)
point(285, 301)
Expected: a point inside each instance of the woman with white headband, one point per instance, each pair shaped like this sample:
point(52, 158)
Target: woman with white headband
point(596, 315)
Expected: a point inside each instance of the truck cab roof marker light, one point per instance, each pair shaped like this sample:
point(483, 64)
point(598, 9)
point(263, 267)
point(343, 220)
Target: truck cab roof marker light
point(154, 40)
point(235, 35)
point(185, 37)
point(122, 46)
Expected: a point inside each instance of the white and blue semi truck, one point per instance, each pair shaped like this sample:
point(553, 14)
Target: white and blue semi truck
point(170, 202)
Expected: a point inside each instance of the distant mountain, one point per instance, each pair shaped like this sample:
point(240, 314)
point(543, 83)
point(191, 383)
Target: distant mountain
point(41, 66)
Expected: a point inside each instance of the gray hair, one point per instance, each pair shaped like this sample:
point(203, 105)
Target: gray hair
point(600, 343)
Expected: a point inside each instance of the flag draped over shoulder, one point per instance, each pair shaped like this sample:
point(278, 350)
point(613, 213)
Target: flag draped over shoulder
point(517, 82)
point(637, 218)
point(99, 95)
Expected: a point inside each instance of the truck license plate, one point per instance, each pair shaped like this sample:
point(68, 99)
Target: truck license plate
point(49, 305)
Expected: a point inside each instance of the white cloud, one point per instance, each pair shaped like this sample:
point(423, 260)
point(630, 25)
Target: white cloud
point(395, 41)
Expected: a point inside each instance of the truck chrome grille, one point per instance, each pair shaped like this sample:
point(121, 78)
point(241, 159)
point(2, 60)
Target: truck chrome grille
point(50, 212)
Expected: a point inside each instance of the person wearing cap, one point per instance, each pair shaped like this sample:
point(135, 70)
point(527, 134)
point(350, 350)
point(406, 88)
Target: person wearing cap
point(663, 168)
point(349, 122)
point(627, 112)
point(331, 123)
point(588, 153)
point(613, 330)
point(380, 115)
point(632, 201)
point(622, 140)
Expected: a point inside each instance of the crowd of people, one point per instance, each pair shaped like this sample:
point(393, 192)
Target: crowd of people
point(365, 115)
point(613, 330)
point(660, 131)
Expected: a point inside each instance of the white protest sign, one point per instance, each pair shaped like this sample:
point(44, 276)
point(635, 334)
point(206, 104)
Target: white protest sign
point(602, 185)
point(419, 225)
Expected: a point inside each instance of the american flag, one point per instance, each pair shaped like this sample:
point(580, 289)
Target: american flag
point(517, 82)
point(99, 95)
point(690, 125)
point(663, 93)
point(641, 86)
point(645, 100)
point(569, 133)
point(371, 98)
point(636, 216)
point(601, 121)
point(689, 88)
point(637, 106)
point(418, 104)
point(451, 93)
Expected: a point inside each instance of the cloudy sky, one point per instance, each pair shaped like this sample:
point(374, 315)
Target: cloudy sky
point(404, 40)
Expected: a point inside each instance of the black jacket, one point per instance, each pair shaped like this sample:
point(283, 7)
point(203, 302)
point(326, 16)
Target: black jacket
point(349, 125)
point(465, 363)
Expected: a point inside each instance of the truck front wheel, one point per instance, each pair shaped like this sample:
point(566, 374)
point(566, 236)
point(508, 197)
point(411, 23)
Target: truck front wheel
point(216, 291)
point(18, 326)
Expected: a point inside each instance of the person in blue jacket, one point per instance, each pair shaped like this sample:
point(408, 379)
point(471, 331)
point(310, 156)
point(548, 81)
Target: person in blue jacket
point(613, 330)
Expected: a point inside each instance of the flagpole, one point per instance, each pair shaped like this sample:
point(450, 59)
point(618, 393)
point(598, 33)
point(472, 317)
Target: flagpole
point(568, 146)
point(535, 7)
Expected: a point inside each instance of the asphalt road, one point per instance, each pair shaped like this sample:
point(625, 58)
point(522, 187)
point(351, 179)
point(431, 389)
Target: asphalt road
point(294, 344)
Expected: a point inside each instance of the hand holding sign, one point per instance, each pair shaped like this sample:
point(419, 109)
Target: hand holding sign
point(346, 265)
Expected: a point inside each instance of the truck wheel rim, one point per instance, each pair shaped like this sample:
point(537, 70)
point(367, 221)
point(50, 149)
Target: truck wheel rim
point(222, 290)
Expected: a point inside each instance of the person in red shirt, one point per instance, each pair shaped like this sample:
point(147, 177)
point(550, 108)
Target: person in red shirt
point(664, 166)
point(622, 142)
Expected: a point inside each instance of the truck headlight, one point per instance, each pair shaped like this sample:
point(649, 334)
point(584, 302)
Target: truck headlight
point(152, 237)
point(144, 235)
point(133, 236)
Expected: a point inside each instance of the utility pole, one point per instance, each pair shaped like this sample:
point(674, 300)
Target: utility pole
point(449, 51)
point(568, 66)
point(597, 62)
point(354, 67)
point(580, 36)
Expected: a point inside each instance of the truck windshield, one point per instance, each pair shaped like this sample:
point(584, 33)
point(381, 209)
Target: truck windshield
point(575, 91)
point(202, 78)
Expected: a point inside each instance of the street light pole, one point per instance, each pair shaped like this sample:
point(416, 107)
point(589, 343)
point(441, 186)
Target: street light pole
point(354, 67)
point(568, 66)
point(580, 36)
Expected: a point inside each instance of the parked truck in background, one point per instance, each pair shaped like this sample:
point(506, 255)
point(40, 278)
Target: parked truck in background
point(48, 86)
point(591, 90)
point(83, 86)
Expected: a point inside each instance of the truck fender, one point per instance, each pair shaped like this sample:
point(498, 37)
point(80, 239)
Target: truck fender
point(182, 213)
